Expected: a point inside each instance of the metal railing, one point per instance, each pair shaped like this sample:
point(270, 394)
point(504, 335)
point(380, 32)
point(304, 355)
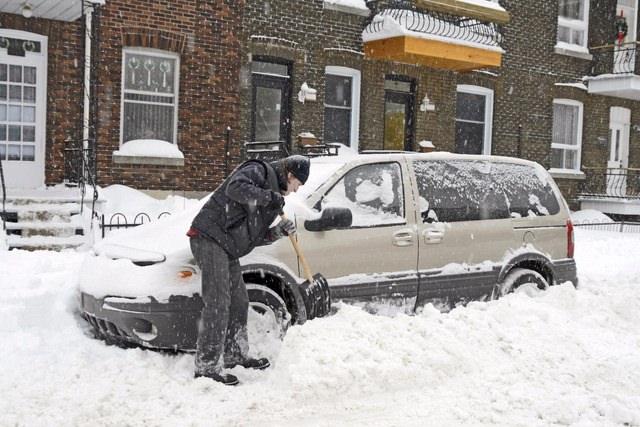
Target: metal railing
point(3, 216)
point(619, 226)
point(615, 59)
point(79, 169)
point(119, 220)
point(265, 150)
point(611, 183)
point(468, 30)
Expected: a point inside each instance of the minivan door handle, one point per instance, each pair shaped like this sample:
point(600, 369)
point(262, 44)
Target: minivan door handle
point(432, 236)
point(403, 237)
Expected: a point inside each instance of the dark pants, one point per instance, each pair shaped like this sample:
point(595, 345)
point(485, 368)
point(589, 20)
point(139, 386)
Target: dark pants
point(223, 325)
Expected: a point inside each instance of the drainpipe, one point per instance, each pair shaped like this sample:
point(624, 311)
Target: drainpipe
point(88, 16)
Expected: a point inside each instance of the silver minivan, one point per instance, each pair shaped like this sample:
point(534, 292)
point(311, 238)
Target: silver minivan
point(435, 227)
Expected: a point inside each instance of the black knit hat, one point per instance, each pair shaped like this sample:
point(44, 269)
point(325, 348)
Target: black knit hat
point(298, 166)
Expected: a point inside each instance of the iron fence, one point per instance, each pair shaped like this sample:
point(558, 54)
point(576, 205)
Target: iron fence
point(615, 59)
point(119, 220)
point(611, 183)
point(441, 24)
point(618, 226)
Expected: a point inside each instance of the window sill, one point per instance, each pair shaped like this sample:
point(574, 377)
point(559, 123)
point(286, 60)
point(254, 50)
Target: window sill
point(120, 159)
point(345, 8)
point(567, 174)
point(576, 53)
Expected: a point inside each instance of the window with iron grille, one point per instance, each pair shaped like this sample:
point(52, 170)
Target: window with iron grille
point(149, 95)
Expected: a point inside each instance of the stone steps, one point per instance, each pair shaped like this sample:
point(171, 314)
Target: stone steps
point(47, 219)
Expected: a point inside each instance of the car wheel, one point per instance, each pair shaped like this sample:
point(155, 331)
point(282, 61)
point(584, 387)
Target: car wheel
point(274, 318)
point(520, 280)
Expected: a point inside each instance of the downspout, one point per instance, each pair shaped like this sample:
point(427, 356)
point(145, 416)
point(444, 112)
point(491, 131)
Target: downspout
point(88, 17)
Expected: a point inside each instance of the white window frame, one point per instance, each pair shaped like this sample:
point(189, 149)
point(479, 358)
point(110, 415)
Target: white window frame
point(355, 99)
point(575, 24)
point(488, 112)
point(578, 147)
point(176, 85)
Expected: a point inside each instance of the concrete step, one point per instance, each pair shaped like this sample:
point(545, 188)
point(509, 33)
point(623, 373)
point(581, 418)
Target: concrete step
point(46, 242)
point(49, 228)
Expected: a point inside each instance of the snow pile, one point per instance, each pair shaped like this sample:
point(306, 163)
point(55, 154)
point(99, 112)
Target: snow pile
point(564, 356)
point(149, 148)
point(589, 216)
point(130, 202)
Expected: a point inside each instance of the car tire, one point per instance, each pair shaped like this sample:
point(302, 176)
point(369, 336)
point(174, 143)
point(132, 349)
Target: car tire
point(265, 301)
point(528, 281)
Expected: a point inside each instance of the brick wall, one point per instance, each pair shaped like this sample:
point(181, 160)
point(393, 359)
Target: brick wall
point(204, 34)
point(64, 85)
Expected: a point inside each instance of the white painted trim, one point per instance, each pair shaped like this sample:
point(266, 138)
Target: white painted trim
point(575, 24)
point(41, 97)
point(176, 77)
point(355, 99)
point(578, 146)
point(488, 112)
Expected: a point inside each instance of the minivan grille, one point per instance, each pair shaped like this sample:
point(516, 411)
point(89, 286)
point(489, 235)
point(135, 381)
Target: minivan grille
point(105, 327)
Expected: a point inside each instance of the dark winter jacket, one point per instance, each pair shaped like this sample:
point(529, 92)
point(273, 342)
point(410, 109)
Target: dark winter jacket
point(237, 216)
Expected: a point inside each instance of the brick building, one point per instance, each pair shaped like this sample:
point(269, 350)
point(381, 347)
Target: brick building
point(553, 81)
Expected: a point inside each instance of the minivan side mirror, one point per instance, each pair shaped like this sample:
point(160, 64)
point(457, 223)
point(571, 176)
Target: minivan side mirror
point(330, 219)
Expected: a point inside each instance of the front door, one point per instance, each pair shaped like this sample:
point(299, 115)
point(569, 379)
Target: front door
point(375, 257)
point(398, 115)
point(271, 120)
point(619, 124)
point(625, 53)
point(23, 88)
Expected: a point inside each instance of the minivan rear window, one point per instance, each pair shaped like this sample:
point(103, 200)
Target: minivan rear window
point(459, 190)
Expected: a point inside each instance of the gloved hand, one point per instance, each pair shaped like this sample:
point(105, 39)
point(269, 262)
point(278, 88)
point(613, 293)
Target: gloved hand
point(277, 201)
point(287, 226)
point(284, 228)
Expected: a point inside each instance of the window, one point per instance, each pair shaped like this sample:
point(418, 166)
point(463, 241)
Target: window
point(150, 95)
point(474, 118)
point(342, 106)
point(573, 22)
point(454, 191)
point(566, 141)
point(373, 193)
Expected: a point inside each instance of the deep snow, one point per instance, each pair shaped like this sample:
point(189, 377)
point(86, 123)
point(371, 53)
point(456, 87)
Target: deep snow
point(565, 357)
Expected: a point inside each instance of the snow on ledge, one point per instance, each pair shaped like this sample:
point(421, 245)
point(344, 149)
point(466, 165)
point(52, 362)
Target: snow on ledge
point(149, 148)
point(576, 85)
point(357, 7)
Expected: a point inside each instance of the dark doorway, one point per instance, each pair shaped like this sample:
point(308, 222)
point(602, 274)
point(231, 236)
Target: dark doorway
point(399, 101)
point(271, 109)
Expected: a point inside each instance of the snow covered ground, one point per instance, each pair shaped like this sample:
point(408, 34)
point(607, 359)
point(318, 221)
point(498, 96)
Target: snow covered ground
point(565, 357)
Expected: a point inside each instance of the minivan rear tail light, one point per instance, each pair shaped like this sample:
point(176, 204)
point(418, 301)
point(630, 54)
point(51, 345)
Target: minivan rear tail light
point(570, 239)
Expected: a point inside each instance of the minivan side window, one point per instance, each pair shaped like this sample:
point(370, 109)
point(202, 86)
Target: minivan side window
point(457, 190)
point(373, 193)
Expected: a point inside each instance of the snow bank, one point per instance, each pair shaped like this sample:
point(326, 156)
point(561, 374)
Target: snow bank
point(589, 216)
point(564, 356)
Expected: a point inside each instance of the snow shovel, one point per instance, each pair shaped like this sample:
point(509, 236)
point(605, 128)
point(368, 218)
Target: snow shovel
point(317, 297)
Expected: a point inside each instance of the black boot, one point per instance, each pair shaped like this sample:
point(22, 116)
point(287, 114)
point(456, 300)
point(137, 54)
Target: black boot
point(250, 363)
point(226, 379)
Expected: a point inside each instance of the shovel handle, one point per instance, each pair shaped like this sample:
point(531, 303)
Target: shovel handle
point(298, 249)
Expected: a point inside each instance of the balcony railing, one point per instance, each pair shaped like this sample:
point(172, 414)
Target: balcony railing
point(439, 24)
point(615, 59)
point(611, 183)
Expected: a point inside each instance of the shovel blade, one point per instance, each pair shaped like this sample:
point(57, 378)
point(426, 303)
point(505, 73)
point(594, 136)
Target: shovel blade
point(317, 297)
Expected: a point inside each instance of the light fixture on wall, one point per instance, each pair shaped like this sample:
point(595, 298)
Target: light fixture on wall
point(27, 10)
point(426, 104)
